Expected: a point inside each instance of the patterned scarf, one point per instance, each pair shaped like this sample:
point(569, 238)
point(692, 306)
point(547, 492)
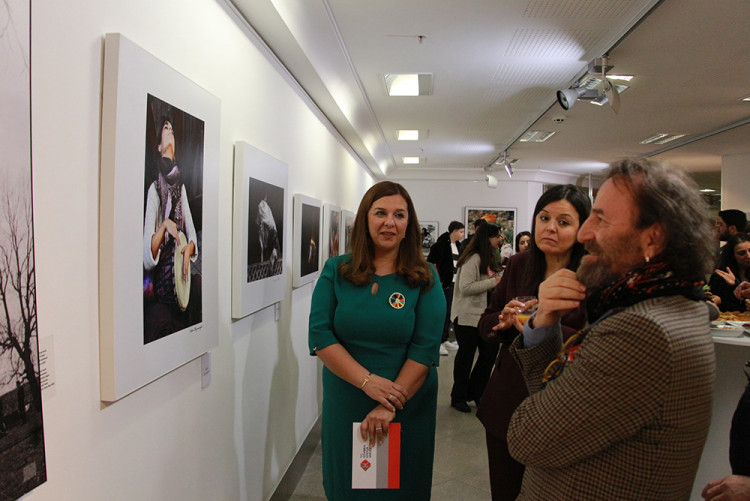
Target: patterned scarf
point(169, 186)
point(654, 279)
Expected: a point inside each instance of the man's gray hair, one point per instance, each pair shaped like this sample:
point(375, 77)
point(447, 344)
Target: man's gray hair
point(665, 195)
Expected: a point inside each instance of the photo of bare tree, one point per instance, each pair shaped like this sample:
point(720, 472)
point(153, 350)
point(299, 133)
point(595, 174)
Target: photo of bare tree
point(22, 460)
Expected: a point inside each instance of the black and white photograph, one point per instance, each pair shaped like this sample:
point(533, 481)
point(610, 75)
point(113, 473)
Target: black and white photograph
point(266, 227)
point(158, 219)
point(172, 221)
point(259, 223)
point(307, 239)
point(22, 456)
point(430, 234)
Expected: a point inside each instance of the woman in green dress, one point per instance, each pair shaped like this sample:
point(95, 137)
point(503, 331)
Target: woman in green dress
point(376, 324)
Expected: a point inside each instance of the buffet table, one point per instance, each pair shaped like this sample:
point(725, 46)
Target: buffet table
point(731, 355)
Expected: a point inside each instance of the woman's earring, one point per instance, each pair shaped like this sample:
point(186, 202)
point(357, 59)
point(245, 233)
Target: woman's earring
point(647, 259)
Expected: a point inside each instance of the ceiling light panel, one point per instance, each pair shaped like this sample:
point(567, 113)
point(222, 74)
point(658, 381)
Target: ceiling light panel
point(407, 135)
point(410, 160)
point(408, 84)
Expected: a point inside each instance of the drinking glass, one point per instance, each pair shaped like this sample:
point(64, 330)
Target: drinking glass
point(524, 314)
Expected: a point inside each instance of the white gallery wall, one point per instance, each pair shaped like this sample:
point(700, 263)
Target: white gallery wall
point(171, 439)
point(446, 200)
point(735, 183)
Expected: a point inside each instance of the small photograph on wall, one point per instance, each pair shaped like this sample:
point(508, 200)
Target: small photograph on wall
point(22, 453)
point(430, 234)
point(347, 223)
point(265, 246)
point(504, 218)
point(307, 236)
point(332, 231)
point(173, 205)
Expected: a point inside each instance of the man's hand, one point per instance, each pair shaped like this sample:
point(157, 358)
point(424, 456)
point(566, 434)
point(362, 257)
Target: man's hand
point(731, 488)
point(559, 294)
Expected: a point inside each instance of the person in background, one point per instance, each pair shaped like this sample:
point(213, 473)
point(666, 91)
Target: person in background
point(476, 224)
point(523, 239)
point(622, 409)
point(375, 323)
point(736, 487)
point(444, 255)
point(557, 216)
point(478, 273)
point(730, 222)
point(726, 283)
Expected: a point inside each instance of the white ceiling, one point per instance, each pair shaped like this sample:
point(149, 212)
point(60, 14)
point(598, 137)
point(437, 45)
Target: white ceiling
point(496, 66)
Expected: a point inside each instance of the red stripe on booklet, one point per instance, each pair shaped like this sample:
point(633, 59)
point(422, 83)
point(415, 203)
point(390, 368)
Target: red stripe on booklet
point(394, 455)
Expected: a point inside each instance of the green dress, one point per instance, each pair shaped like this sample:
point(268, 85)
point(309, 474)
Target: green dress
point(380, 337)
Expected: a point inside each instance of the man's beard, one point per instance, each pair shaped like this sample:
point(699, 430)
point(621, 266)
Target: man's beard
point(602, 271)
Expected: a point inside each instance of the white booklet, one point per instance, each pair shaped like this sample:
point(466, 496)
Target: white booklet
point(376, 467)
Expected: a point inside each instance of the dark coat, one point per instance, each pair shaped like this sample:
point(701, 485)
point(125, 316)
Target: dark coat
point(506, 388)
point(442, 257)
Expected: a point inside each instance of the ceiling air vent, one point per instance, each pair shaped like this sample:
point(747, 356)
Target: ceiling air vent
point(536, 136)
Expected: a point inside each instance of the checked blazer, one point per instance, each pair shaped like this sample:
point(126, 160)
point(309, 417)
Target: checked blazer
point(627, 418)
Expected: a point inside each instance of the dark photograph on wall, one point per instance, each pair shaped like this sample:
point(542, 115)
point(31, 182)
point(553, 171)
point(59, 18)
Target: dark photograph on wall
point(334, 233)
point(310, 239)
point(349, 218)
point(22, 458)
point(265, 230)
point(173, 201)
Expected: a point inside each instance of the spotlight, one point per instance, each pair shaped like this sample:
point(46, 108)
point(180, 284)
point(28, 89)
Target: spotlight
point(568, 97)
point(491, 181)
point(508, 169)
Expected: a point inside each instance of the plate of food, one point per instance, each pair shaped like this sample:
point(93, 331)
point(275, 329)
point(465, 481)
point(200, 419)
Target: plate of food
point(728, 328)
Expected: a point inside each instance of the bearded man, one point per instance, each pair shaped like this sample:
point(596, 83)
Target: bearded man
point(622, 410)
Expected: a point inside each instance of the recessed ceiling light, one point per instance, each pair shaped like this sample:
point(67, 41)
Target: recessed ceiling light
point(408, 135)
point(745, 99)
point(408, 84)
point(535, 136)
point(411, 160)
point(707, 190)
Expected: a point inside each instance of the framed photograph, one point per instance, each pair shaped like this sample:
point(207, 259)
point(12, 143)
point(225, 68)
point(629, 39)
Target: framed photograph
point(158, 271)
point(307, 234)
point(430, 234)
point(259, 251)
point(331, 231)
point(22, 380)
point(347, 225)
point(505, 218)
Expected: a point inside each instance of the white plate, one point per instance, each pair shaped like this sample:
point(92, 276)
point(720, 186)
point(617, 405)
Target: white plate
point(727, 328)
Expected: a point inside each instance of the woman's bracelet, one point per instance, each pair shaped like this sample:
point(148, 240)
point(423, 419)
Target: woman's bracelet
point(367, 378)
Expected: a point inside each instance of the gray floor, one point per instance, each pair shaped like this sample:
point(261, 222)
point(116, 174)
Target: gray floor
point(460, 470)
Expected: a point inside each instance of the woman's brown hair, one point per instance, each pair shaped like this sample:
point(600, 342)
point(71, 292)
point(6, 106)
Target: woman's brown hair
point(410, 262)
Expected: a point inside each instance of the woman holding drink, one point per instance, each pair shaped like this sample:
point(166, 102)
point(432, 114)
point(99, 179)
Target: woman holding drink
point(557, 216)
